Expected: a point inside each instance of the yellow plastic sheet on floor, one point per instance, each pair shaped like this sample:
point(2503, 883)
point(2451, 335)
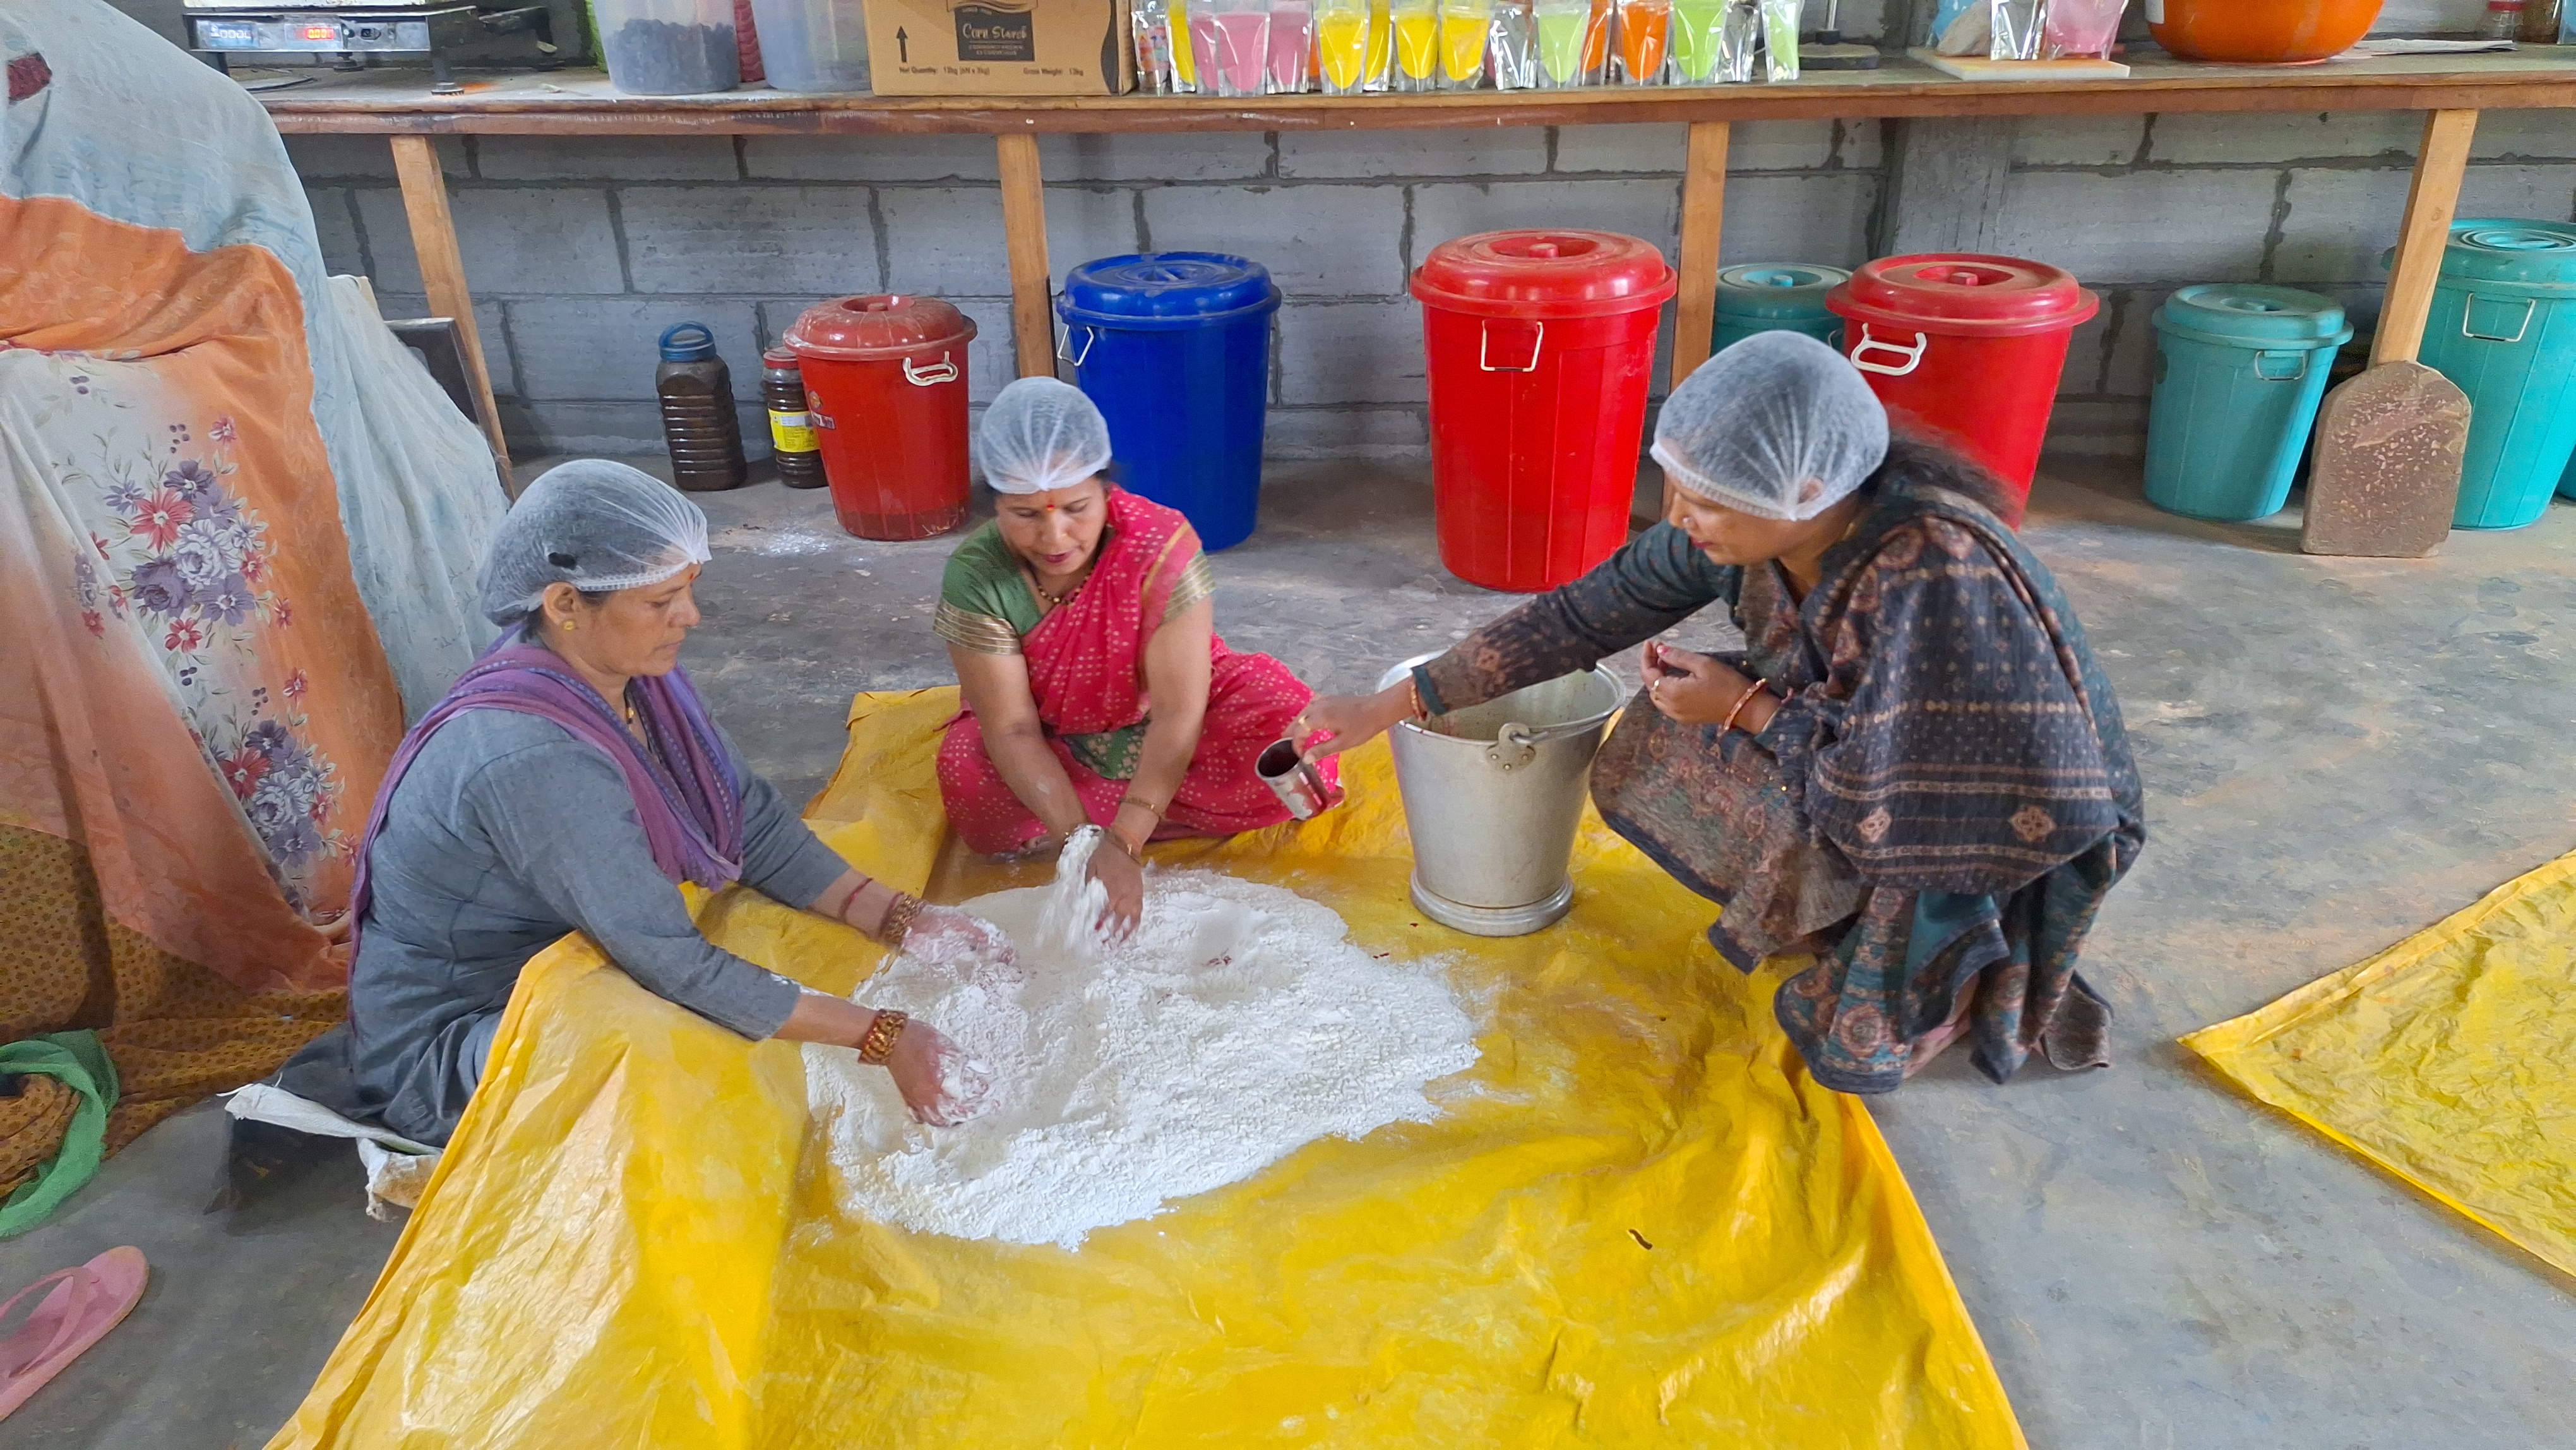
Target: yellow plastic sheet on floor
point(2444, 1059)
point(1638, 1224)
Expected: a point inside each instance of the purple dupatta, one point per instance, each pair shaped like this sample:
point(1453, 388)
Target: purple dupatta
point(691, 812)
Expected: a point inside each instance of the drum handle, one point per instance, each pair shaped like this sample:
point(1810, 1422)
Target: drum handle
point(1485, 342)
point(942, 371)
point(2529, 306)
point(1913, 356)
point(2274, 356)
point(1090, 335)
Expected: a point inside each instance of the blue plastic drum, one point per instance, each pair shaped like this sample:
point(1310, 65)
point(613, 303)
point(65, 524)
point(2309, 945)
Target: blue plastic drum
point(1175, 348)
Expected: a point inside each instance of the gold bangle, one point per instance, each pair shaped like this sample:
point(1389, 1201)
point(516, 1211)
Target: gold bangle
point(897, 922)
point(877, 1043)
point(1413, 694)
point(1741, 701)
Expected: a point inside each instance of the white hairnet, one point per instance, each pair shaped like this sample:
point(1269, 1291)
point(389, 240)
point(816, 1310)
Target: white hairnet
point(594, 525)
point(1778, 425)
point(1040, 434)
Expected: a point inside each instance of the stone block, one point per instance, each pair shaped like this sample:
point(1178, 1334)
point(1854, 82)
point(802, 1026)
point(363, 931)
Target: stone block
point(1388, 434)
point(2078, 140)
point(1498, 151)
point(1814, 218)
point(2147, 226)
point(1317, 240)
point(2339, 222)
point(1647, 147)
point(946, 241)
point(586, 429)
point(1084, 224)
point(1648, 209)
point(1750, 146)
point(352, 158)
point(2537, 134)
point(335, 225)
point(605, 349)
point(1351, 352)
point(2543, 193)
point(872, 157)
point(516, 241)
point(2093, 428)
point(2128, 343)
point(489, 323)
point(991, 359)
point(2271, 137)
point(605, 158)
point(1149, 156)
point(754, 240)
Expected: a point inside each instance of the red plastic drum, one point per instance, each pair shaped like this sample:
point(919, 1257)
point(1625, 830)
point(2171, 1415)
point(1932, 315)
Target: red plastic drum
point(1967, 348)
point(885, 381)
point(1541, 344)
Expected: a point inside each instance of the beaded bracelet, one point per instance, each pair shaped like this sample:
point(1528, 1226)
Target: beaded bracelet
point(877, 1043)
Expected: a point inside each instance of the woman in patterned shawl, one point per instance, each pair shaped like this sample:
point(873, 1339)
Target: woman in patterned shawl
point(1096, 689)
point(1914, 772)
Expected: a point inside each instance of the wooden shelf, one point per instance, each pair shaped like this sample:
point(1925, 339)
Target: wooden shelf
point(576, 103)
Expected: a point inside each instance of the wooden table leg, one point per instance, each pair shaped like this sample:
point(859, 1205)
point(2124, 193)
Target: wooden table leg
point(1032, 280)
point(1703, 221)
point(2440, 165)
point(442, 268)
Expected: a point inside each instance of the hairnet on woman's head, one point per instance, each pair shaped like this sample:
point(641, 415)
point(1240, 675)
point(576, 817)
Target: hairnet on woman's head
point(1779, 426)
point(594, 525)
point(1040, 434)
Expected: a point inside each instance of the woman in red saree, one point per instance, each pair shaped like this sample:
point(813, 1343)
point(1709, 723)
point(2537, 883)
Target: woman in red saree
point(1095, 687)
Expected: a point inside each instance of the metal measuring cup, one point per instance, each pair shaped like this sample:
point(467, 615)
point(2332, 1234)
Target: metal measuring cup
point(1298, 783)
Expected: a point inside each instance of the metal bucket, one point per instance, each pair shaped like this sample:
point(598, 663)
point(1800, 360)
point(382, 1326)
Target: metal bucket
point(1492, 796)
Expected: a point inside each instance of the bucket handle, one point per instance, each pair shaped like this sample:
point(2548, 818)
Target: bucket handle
point(2264, 362)
point(1485, 343)
point(942, 371)
point(2529, 306)
point(1913, 356)
point(1515, 745)
point(1090, 335)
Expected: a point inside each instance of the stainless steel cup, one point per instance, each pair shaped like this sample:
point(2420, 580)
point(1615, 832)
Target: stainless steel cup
point(1295, 780)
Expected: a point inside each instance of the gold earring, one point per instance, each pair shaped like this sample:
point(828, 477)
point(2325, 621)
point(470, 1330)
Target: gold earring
point(567, 624)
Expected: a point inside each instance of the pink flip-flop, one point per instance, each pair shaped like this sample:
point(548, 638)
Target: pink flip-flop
point(85, 1303)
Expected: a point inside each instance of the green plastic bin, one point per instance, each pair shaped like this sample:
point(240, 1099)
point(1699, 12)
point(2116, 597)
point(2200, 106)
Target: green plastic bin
point(1776, 297)
point(2503, 327)
point(2240, 368)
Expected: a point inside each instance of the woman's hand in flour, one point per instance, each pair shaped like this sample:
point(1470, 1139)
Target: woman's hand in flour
point(1123, 878)
point(936, 1082)
point(944, 936)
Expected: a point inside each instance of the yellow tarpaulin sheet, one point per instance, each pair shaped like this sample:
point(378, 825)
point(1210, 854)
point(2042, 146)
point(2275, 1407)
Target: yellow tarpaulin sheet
point(2448, 1059)
point(1638, 1223)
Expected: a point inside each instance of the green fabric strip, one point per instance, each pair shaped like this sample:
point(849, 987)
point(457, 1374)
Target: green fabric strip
point(78, 1059)
point(984, 578)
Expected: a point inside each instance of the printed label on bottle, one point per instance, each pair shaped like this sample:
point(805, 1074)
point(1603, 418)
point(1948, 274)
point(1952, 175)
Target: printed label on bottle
point(793, 432)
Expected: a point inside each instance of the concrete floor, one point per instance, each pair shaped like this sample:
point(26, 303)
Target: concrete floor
point(2336, 753)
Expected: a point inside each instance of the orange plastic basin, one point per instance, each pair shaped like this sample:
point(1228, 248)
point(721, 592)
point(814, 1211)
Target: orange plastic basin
point(2262, 32)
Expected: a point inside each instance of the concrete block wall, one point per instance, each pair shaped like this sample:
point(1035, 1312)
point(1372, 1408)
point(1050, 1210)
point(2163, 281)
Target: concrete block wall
point(580, 251)
point(2138, 206)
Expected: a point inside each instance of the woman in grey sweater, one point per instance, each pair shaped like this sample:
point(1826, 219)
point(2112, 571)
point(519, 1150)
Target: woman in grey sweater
point(569, 782)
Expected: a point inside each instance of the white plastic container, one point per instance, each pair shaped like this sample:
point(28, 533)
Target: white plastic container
point(668, 47)
point(813, 45)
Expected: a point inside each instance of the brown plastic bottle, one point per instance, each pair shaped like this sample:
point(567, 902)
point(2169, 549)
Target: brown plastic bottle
point(699, 424)
point(791, 428)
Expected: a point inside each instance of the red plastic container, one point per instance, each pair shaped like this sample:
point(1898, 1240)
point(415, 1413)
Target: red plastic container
point(885, 381)
point(1541, 344)
point(1967, 348)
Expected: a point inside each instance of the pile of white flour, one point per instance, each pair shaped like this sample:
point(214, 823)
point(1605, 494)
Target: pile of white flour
point(1238, 1024)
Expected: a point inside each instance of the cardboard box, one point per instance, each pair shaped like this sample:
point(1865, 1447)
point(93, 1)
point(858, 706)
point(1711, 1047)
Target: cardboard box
point(999, 48)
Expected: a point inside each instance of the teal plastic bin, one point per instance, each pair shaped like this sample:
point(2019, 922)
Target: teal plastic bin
point(2503, 327)
point(2240, 368)
point(1777, 297)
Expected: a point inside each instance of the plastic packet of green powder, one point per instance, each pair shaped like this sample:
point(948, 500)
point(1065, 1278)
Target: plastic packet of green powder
point(1780, 39)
